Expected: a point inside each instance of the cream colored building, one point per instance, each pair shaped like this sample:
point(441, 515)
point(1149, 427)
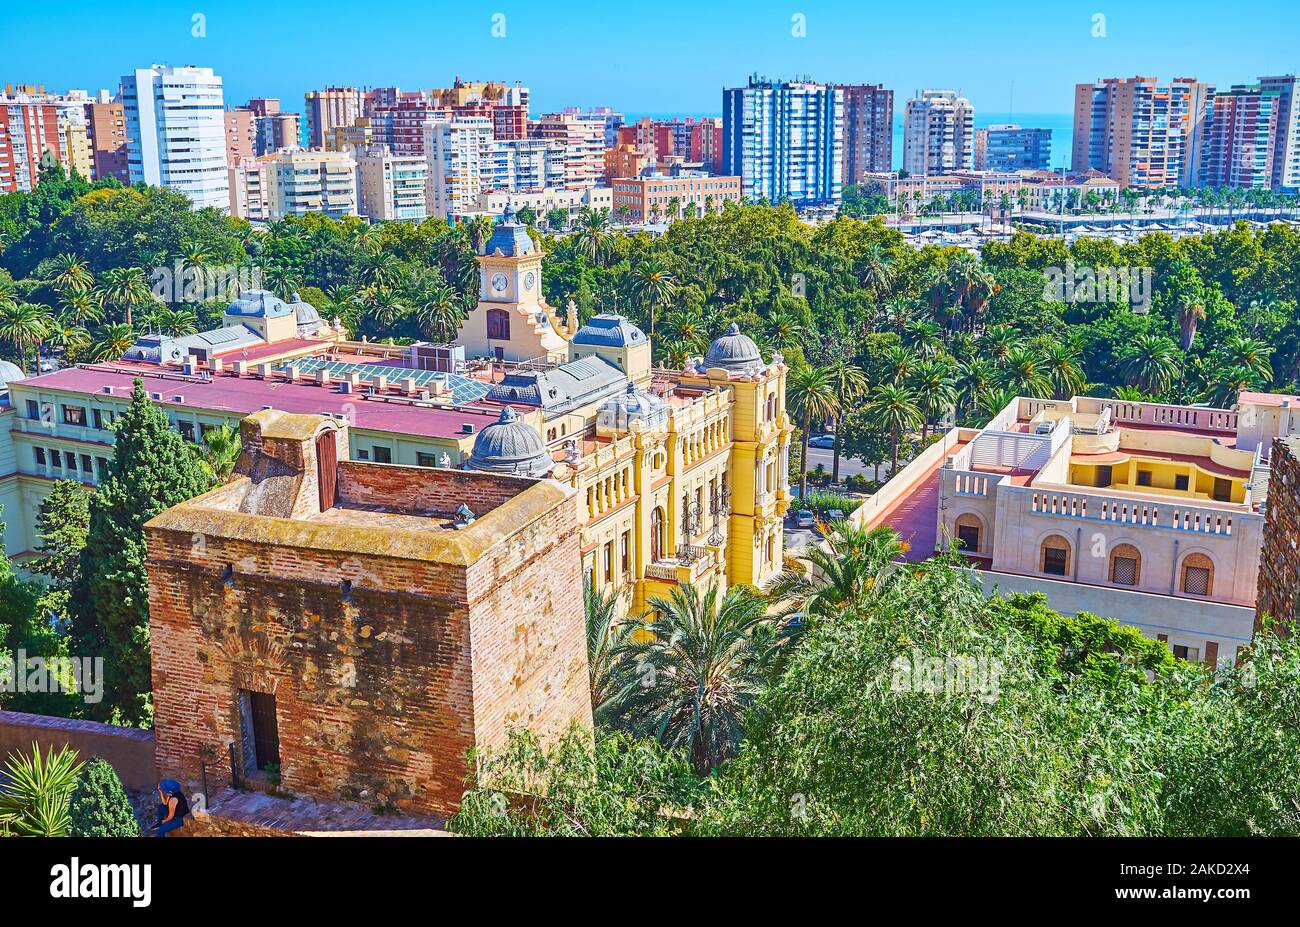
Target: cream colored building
point(303, 181)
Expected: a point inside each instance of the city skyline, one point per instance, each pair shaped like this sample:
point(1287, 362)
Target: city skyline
point(569, 65)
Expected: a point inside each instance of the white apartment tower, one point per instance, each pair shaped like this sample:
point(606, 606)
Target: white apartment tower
point(938, 133)
point(1286, 148)
point(391, 187)
point(459, 155)
point(785, 140)
point(176, 132)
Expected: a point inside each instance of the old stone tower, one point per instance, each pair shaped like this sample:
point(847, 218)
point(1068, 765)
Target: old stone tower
point(354, 627)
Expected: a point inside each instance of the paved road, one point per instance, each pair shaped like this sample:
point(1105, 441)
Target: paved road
point(848, 466)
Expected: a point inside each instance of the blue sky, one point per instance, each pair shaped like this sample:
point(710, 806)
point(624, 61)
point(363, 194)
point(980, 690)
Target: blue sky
point(653, 58)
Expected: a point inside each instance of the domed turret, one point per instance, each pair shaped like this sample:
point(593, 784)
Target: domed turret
point(9, 373)
point(511, 446)
point(510, 237)
point(609, 330)
point(633, 405)
point(734, 353)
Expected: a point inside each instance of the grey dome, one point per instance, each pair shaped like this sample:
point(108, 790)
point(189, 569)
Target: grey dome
point(510, 237)
point(309, 320)
point(609, 329)
point(734, 352)
point(9, 373)
point(630, 406)
point(510, 446)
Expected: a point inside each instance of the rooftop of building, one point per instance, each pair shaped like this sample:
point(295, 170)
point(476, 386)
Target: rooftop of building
point(244, 395)
point(431, 514)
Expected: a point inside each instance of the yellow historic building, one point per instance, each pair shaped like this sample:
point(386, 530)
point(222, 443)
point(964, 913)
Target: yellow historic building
point(682, 475)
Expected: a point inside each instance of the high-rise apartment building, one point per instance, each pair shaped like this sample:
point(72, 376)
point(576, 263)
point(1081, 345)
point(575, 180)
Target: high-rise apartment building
point(250, 188)
point(785, 139)
point(304, 181)
point(505, 105)
point(328, 108)
point(583, 139)
point(1141, 133)
point(868, 130)
point(391, 187)
point(241, 134)
point(28, 129)
point(106, 132)
point(400, 125)
point(358, 134)
point(1286, 140)
point(176, 132)
point(938, 133)
point(1010, 147)
point(459, 164)
point(1238, 139)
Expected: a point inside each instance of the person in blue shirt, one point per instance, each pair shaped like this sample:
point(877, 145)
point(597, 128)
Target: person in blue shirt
point(172, 808)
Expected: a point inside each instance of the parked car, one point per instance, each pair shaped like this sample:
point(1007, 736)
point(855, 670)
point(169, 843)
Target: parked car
point(822, 441)
point(804, 519)
point(835, 514)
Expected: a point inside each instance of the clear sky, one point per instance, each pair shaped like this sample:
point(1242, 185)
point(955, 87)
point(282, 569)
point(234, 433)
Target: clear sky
point(653, 57)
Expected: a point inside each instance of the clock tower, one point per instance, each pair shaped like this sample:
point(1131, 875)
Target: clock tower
point(512, 321)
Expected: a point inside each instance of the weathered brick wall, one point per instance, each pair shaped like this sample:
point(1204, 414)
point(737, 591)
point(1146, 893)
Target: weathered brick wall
point(129, 750)
point(418, 490)
point(373, 695)
point(1279, 566)
point(527, 628)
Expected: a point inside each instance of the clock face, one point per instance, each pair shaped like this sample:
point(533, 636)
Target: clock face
point(499, 283)
point(529, 280)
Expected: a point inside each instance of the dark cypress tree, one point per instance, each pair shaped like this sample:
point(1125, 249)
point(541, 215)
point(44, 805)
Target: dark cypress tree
point(99, 806)
point(152, 470)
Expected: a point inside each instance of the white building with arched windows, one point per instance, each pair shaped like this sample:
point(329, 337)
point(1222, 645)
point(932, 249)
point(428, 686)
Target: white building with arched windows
point(1148, 513)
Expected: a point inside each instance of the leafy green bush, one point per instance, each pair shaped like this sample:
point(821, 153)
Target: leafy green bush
point(820, 502)
point(99, 806)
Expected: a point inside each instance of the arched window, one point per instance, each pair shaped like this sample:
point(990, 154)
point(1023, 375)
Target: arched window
point(970, 532)
point(656, 534)
point(1054, 557)
point(498, 324)
point(1197, 575)
point(1125, 565)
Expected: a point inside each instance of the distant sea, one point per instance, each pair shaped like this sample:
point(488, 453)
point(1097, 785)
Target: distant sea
point(1061, 124)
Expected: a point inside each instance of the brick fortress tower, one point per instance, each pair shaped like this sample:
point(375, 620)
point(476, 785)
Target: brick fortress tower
point(355, 626)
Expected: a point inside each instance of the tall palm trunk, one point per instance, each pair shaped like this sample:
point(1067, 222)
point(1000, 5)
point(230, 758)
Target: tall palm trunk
point(893, 448)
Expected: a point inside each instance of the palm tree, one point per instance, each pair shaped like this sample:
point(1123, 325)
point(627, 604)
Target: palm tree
point(1191, 312)
point(36, 792)
point(593, 236)
point(844, 573)
point(1025, 374)
point(281, 280)
point(1151, 362)
point(876, 271)
point(480, 232)
point(1064, 370)
point(380, 269)
point(67, 271)
point(383, 306)
point(111, 342)
point(893, 409)
point(125, 287)
point(994, 401)
point(437, 310)
point(900, 362)
point(691, 679)
point(67, 336)
point(973, 379)
point(689, 327)
point(220, 451)
point(79, 304)
point(999, 341)
point(606, 635)
point(175, 323)
point(784, 330)
point(24, 325)
point(850, 384)
point(812, 395)
point(652, 282)
point(1251, 353)
point(934, 392)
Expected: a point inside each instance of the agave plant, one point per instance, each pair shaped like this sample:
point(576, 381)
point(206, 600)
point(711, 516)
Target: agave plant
point(34, 798)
